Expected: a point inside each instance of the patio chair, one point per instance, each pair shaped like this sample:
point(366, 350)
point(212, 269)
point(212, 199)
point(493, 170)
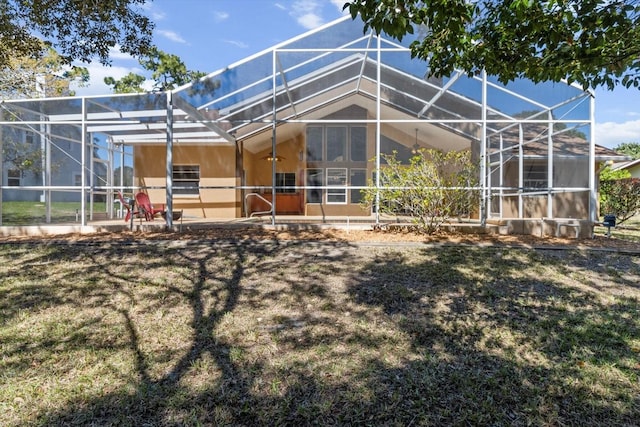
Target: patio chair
point(129, 205)
point(145, 206)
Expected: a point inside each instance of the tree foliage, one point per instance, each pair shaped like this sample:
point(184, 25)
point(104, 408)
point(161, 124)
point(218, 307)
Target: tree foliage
point(31, 77)
point(78, 30)
point(434, 187)
point(608, 174)
point(168, 71)
point(43, 75)
point(21, 155)
point(631, 149)
point(590, 42)
point(621, 198)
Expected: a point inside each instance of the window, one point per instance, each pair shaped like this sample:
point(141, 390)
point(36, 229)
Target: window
point(358, 144)
point(285, 179)
point(314, 179)
point(186, 180)
point(14, 178)
point(336, 177)
point(77, 179)
point(535, 175)
point(336, 144)
point(358, 178)
point(330, 150)
point(314, 143)
point(29, 137)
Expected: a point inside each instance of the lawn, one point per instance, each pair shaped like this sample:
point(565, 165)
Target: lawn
point(31, 213)
point(628, 230)
point(224, 332)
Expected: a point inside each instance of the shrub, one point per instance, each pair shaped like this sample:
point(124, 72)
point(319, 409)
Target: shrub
point(433, 188)
point(620, 197)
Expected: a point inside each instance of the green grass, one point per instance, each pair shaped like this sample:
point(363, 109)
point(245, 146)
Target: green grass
point(30, 213)
point(628, 230)
point(300, 333)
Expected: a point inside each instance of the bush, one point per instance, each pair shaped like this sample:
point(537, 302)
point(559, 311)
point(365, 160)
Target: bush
point(433, 188)
point(620, 197)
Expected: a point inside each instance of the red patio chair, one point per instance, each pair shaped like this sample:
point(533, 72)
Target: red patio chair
point(145, 206)
point(126, 203)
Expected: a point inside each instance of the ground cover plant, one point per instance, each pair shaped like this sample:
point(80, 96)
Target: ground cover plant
point(302, 332)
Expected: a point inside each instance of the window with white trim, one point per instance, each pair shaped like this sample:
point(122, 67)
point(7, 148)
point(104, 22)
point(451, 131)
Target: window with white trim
point(186, 180)
point(337, 177)
point(14, 178)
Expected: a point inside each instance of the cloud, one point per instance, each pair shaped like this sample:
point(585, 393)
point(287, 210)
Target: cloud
point(280, 6)
point(172, 35)
point(116, 54)
point(307, 13)
point(220, 16)
point(98, 72)
point(155, 13)
point(339, 4)
point(237, 44)
point(611, 134)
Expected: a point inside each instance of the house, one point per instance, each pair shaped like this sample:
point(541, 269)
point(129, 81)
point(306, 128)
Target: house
point(298, 129)
point(61, 168)
point(633, 166)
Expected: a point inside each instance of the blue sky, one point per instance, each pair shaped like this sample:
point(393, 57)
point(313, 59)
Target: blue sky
point(211, 34)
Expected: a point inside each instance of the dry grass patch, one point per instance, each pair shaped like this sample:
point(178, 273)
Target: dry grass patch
point(297, 331)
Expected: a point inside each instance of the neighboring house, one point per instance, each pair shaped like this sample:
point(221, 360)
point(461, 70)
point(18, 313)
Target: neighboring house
point(632, 166)
point(62, 169)
point(302, 125)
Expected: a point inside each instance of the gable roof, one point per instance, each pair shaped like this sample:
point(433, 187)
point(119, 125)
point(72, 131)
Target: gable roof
point(626, 165)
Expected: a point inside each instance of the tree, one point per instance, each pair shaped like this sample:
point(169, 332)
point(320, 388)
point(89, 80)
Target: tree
point(590, 42)
point(37, 76)
point(167, 71)
point(78, 30)
point(631, 149)
point(131, 83)
point(30, 77)
point(433, 188)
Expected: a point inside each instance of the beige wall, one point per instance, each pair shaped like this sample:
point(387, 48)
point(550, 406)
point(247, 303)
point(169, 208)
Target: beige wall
point(217, 168)
point(565, 205)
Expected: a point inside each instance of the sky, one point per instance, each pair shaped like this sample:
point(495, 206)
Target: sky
point(209, 35)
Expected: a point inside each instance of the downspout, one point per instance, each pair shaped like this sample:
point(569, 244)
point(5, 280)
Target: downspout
point(169, 170)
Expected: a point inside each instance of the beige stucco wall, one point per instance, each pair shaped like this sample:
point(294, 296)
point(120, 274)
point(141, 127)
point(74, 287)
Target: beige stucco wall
point(217, 168)
point(565, 204)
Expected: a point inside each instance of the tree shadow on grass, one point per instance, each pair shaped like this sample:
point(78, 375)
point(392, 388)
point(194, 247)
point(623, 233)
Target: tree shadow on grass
point(300, 333)
point(504, 339)
point(199, 289)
